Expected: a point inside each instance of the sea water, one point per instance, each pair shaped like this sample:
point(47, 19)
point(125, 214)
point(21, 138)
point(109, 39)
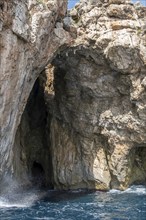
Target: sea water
point(75, 205)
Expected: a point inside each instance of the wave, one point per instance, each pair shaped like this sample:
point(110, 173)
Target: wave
point(20, 200)
point(27, 199)
point(139, 190)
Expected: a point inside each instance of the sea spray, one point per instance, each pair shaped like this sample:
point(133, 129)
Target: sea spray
point(13, 194)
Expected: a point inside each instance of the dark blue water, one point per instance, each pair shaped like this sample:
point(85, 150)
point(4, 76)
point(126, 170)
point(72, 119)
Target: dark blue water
point(76, 205)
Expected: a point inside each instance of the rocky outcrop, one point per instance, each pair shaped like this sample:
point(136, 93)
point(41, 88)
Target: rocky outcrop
point(31, 33)
point(81, 123)
point(98, 128)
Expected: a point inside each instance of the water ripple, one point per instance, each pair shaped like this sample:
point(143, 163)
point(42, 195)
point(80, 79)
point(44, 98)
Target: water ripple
point(112, 205)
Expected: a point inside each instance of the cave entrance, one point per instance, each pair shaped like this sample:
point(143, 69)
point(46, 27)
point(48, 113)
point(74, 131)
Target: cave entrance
point(33, 160)
point(38, 175)
point(139, 165)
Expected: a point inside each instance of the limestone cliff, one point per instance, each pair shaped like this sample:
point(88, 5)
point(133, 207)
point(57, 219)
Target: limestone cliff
point(30, 35)
point(98, 128)
point(81, 122)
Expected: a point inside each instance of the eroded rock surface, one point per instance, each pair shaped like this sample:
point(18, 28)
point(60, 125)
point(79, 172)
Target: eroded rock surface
point(30, 35)
point(87, 129)
point(98, 128)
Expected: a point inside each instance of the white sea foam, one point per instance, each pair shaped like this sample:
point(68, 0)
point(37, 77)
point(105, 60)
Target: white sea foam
point(139, 190)
point(20, 200)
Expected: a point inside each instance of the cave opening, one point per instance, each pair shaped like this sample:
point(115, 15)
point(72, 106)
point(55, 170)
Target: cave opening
point(32, 160)
point(59, 128)
point(38, 174)
point(139, 165)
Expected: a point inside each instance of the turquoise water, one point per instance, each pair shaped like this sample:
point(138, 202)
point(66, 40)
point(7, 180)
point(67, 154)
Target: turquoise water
point(75, 205)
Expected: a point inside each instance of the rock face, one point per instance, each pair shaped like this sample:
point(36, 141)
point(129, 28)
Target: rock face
point(30, 35)
point(82, 123)
point(98, 128)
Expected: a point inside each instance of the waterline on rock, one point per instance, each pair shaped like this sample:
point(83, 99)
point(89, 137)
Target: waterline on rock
point(139, 189)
